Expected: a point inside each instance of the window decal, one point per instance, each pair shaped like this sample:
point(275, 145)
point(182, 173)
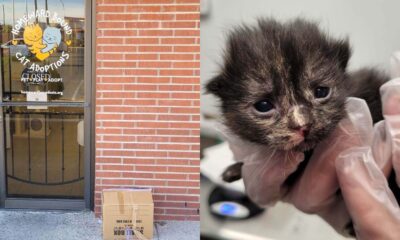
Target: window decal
point(42, 41)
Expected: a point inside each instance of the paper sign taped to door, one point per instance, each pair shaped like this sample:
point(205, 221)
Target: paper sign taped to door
point(36, 97)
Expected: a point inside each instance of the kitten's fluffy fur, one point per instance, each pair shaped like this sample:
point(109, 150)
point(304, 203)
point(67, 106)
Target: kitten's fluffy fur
point(284, 63)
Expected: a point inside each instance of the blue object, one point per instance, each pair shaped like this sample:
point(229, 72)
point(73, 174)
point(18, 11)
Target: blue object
point(230, 204)
point(228, 209)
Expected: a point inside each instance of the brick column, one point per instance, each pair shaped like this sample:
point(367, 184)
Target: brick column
point(147, 102)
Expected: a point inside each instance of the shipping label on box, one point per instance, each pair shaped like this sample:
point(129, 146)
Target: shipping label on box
point(127, 214)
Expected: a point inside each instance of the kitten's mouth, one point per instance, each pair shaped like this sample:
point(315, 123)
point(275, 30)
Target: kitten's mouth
point(305, 145)
point(294, 141)
point(299, 143)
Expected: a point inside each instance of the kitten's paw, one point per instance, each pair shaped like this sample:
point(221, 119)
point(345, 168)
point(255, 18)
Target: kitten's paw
point(233, 172)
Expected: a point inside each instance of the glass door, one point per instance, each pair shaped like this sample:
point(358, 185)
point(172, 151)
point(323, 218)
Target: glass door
point(45, 98)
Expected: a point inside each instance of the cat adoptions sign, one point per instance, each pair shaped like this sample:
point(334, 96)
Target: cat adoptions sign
point(42, 43)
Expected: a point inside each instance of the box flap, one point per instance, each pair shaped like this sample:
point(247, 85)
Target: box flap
point(142, 196)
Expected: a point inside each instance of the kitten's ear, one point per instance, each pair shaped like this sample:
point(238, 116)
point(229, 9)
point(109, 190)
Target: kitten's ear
point(342, 52)
point(215, 86)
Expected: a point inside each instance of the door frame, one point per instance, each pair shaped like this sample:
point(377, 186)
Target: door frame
point(89, 128)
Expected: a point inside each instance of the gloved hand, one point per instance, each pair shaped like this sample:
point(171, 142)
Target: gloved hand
point(316, 190)
point(374, 210)
point(264, 170)
point(372, 165)
point(390, 93)
point(371, 204)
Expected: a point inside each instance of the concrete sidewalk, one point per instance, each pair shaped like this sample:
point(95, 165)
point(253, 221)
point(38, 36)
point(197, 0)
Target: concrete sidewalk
point(50, 225)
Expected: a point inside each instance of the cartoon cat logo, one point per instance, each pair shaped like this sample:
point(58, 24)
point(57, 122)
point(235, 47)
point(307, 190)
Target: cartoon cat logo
point(40, 43)
point(52, 38)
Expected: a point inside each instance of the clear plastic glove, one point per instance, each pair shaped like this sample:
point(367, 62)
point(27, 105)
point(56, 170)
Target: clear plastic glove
point(316, 190)
point(317, 187)
point(362, 171)
point(371, 204)
point(390, 93)
point(378, 149)
point(264, 178)
point(264, 170)
point(369, 200)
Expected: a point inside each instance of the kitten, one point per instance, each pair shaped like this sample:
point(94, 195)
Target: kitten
point(285, 85)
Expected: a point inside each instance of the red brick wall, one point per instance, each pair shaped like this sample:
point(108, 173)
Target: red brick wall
point(147, 102)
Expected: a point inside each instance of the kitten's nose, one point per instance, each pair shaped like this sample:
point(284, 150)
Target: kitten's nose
point(300, 120)
point(303, 130)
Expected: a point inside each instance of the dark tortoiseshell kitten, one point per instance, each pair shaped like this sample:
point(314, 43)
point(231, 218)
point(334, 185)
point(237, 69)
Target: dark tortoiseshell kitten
point(285, 85)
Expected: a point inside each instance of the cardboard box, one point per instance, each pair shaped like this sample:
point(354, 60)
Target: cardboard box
point(127, 214)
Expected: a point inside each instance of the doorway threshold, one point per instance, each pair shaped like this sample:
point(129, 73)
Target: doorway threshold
point(45, 204)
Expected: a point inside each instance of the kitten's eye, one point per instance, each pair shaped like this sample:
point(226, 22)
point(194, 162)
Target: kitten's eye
point(263, 106)
point(321, 92)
